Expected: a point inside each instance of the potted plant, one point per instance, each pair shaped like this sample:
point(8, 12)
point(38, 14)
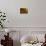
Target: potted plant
point(2, 19)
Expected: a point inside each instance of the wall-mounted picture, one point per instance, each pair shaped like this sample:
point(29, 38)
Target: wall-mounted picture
point(23, 10)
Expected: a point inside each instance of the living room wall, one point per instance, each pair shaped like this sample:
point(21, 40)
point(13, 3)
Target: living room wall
point(36, 16)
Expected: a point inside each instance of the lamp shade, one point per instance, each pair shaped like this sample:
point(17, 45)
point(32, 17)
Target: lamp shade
point(7, 30)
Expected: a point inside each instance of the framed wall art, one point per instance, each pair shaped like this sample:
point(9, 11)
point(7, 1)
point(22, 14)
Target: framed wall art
point(23, 10)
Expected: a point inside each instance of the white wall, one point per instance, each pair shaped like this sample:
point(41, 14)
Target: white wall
point(35, 18)
point(39, 13)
